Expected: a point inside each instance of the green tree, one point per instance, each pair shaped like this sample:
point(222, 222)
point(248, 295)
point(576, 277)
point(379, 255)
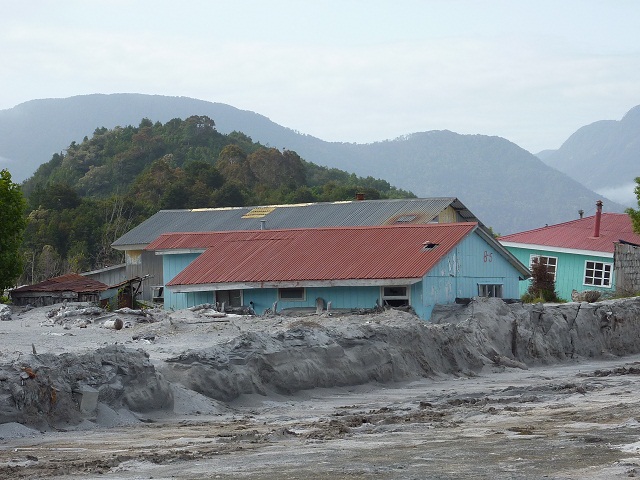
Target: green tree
point(635, 214)
point(233, 165)
point(12, 225)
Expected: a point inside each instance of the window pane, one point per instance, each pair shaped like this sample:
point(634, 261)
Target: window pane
point(395, 296)
point(597, 273)
point(395, 291)
point(490, 290)
point(291, 293)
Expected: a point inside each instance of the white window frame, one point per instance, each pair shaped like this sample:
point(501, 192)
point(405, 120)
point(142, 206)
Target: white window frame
point(605, 268)
point(406, 296)
point(495, 289)
point(547, 263)
point(296, 299)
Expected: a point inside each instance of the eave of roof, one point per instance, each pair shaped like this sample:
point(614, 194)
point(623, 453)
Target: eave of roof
point(573, 251)
point(292, 284)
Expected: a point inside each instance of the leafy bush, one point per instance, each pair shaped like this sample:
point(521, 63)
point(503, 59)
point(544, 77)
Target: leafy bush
point(543, 285)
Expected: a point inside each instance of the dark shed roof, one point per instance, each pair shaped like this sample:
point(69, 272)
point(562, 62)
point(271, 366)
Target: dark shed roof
point(309, 215)
point(71, 282)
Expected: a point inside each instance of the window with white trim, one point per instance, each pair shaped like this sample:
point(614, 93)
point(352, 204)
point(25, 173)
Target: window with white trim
point(490, 290)
point(395, 296)
point(293, 294)
point(597, 274)
point(550, 262)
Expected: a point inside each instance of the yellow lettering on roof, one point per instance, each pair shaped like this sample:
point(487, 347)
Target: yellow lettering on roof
point(258, 212)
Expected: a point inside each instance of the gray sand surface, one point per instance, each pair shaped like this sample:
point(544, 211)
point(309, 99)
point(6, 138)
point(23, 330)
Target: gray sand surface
point(487, 390)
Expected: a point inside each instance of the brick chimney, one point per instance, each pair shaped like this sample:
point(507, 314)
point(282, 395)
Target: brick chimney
point(596, 228)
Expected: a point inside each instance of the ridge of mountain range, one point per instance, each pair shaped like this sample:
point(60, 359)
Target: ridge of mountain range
point(507, 187)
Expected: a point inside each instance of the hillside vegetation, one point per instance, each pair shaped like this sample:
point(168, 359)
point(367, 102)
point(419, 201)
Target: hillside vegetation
point(85, 198)
point(505, 186)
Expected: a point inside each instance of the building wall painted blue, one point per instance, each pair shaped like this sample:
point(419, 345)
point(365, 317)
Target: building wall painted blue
point(340, 297)
point(472, 262)
point(171, 266)
point(570, 270)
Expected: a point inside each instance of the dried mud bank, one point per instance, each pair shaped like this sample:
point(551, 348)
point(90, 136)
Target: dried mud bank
point(42, 390)
point(222, 361)
point(397, 347)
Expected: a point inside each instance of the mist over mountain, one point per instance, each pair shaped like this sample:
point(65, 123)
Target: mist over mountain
point(604, 156)
point(504, 185)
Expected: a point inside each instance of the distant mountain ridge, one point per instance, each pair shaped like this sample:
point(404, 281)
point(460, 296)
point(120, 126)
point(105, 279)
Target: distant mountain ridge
point(507, 187)
point(603, 156)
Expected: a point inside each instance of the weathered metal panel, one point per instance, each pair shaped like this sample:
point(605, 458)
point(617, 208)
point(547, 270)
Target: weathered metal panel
point(350, 213)
point(109, 275)
point(148, 266)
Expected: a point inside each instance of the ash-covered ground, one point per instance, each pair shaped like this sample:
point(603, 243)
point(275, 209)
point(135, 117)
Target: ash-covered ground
point(488, 390)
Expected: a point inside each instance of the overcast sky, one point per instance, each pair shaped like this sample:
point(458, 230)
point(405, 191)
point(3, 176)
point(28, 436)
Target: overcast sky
point(356, 71)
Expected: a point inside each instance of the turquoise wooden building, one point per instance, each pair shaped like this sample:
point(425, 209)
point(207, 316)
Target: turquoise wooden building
point(578, 253)
point(144, 263)
point(350, 267)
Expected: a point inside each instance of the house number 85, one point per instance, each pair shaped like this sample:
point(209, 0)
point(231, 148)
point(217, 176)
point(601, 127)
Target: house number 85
point(488, 257)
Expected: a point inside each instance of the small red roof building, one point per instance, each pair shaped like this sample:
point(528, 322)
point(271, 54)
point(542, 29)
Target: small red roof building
point(579, 234)
point(72, 287)
point(579, 253)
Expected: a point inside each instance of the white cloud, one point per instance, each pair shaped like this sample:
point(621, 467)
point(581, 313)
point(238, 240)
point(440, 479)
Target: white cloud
point(623, 194)
point(340, 72)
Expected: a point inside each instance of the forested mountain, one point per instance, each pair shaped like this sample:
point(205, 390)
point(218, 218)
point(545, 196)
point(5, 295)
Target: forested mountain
point(32, 132)
point(604, 156)
point(507, 187)
point(84, 199)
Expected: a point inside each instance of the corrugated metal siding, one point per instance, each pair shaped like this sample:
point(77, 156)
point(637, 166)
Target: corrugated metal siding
point(578, 234)
point(109, 276)
point(315, 254)
point(146, 263)
point(351, 213)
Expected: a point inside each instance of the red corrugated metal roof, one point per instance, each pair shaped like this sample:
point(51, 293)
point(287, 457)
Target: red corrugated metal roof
point(318, 254)
point(71, 282)
point(578, 234)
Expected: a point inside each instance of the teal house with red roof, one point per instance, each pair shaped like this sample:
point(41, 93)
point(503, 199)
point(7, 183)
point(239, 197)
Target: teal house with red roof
point(417, 265)
point(578, 253)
